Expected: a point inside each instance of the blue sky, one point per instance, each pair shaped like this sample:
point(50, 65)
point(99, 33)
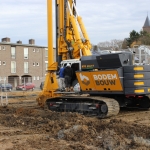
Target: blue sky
point(104, 20)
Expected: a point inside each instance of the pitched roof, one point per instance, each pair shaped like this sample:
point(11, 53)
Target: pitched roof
point(147, 22)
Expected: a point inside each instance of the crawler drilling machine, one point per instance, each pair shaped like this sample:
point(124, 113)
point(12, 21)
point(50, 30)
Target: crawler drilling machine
point(110, 80)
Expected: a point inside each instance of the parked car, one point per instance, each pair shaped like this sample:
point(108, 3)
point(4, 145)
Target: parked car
point(26, 86)
point(42, 85)
point(5, 87)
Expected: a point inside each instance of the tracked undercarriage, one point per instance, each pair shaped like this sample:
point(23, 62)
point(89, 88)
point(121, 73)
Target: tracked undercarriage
point(93, 106)
point(101, 107)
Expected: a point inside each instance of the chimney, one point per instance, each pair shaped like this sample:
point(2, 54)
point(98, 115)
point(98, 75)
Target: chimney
point(19, 42)
point(6, 39)
point(31, 41)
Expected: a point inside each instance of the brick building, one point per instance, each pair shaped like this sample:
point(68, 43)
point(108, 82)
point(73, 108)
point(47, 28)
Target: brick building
point(22, 63)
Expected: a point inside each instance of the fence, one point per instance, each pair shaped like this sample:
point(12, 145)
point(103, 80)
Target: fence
point(4, 98)
point(10, 83)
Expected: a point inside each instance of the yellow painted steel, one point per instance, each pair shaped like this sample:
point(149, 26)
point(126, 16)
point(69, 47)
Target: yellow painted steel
point(62, 46)
point(100, 81)
point(72, 35)
point(139, 91)
point(76, 32)
point(50, 84)
point(138, 68)
point(84, 32)
point(139, 76)
point(82, 28)
point(61, 13)
point(138, 83)
point(50, 33)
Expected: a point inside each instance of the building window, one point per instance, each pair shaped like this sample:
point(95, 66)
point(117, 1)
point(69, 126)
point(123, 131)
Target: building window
point(33, 63)
point(4, 63)
point(34, 78)
point(46, 52)
point(34, 50)
point(13, 52)
point(13, 67)
point(38, 78)
point(26, 67)
point(3, 47)
point(37, 64)
point(0, 47)
point(25, 53)
point(0, 62)
point(38, 50)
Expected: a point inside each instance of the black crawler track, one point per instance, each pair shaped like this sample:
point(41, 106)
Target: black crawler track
point(101, 107)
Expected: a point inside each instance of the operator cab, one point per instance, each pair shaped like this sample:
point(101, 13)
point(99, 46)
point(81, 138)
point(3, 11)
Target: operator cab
point(73, 62)
point(75, 65)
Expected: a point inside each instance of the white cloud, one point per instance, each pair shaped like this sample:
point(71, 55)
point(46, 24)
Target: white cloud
point(104, 20)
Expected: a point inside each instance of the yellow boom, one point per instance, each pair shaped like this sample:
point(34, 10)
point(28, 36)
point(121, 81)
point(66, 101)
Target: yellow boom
point(50, 84)
point(72, 41)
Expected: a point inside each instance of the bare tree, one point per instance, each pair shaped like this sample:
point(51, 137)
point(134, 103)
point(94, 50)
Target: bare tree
point(112, 45)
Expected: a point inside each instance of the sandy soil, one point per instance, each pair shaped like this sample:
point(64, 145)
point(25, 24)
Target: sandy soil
point(25, 126)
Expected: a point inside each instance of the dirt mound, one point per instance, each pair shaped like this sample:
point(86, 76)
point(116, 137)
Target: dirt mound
point(24, 125)
point(34, 128)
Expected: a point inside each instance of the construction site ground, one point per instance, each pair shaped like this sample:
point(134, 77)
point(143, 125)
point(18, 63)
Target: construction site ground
point(26, 126)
